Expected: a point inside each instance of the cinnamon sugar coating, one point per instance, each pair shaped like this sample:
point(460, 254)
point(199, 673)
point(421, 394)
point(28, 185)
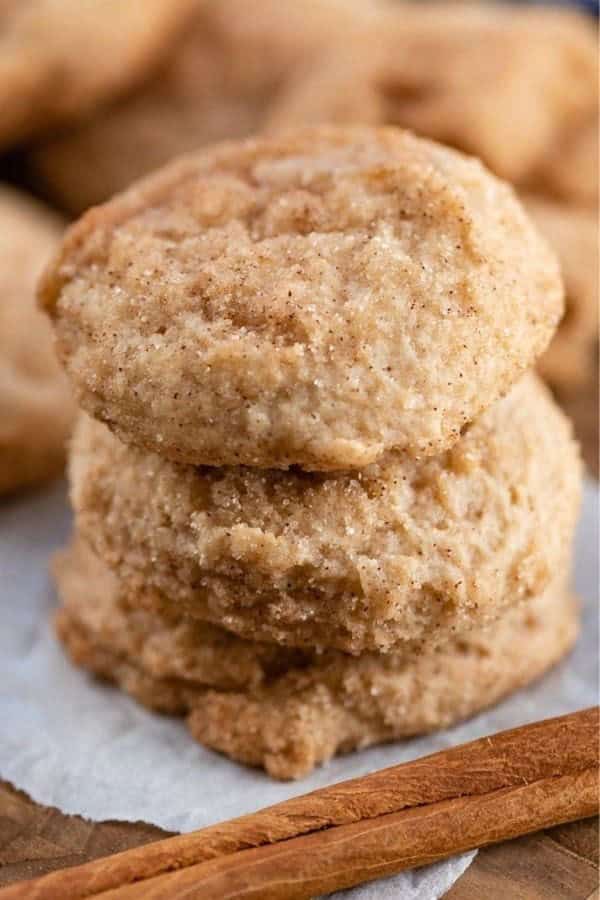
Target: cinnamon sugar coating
point(401, 553)
point(289, 711)
point(310, 300)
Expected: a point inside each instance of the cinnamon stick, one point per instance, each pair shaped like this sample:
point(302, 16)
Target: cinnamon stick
point(489, 790)
point(348, 855)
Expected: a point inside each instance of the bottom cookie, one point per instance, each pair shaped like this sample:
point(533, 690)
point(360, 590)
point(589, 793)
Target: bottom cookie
point(289, 710)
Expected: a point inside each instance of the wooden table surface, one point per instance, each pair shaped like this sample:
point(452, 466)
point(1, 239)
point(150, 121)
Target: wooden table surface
point(558, 864)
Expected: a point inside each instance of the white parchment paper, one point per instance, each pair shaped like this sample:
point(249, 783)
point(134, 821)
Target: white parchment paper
point(86, 748)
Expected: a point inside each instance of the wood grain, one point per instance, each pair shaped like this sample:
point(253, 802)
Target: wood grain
point(543, 866)
point(36, 839)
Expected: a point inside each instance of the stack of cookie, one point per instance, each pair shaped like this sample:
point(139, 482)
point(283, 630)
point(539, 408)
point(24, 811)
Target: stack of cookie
point(320, 503)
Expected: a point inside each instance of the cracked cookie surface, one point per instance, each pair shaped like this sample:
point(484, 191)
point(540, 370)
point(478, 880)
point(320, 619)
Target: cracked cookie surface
point(310, 300)
point(289, 711)
point(401, 553)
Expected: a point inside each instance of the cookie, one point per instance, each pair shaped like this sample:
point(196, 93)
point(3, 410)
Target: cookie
point(289, 711)
point(502, 83)
point(60, 58)
point(309, 300)
point(399, 553)
point(570, 171)
point(35, 406)
point(219, 82)
point(573, 234)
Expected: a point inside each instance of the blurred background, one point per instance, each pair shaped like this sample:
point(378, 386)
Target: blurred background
point(94, 95)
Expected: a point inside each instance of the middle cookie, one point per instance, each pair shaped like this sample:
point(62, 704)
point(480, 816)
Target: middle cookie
point(403, 552)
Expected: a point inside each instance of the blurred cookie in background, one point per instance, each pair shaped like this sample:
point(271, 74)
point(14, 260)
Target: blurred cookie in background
point(504, 83)
point(60, 58)
point(570, 171)
point(220, 82)
point(35, 405)
point(570, 365)
point(581, 403)
point(573, 234)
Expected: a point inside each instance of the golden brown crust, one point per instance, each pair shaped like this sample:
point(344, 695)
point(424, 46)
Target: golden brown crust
point(60, 58)
point(308, 300)
point(35, 407)
point(573, 233)
point(289, 712)
point(400, 552)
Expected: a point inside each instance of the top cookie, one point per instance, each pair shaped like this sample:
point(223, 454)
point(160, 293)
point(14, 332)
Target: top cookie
point(59, 58)
point(309, 300)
